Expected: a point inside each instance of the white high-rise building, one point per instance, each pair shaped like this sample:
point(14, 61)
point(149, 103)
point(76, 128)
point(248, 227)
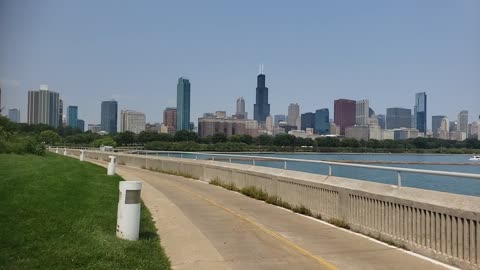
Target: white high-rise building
point(293, 114)
point(444, 129)
point(362, 112)
point(269, 124)
point(43, 107)
point(132, 121)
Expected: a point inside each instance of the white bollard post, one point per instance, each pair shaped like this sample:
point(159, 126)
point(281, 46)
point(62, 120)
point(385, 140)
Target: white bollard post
point(65, 152)
point(128, 214)
point(82, 155)
point(56, 151)
point(111, 166)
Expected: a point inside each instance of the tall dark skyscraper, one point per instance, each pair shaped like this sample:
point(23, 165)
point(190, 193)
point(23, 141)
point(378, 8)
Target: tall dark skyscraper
point(420, 112)
point(322, 119)
point(183, 104)
point(261, 109)
point(109, 116)
point(307, 121)
point(399, 118)
point(344, 113)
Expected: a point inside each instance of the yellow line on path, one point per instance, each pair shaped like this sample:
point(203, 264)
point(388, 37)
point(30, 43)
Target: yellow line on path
point(267, 231)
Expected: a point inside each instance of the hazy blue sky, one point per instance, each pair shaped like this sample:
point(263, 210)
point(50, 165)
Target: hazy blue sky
point(313, 52)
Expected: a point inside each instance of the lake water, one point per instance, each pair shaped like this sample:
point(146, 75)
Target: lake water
point(457, 185)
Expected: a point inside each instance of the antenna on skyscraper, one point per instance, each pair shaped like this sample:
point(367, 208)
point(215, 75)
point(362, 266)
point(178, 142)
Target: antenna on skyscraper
point(260, 69)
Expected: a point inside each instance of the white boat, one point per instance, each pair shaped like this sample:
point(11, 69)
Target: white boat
point(475, 158)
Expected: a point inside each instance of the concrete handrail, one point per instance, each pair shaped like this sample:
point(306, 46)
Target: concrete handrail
point(330, 163)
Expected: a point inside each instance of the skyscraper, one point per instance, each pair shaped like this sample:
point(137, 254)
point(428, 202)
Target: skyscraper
point(322, 119)
point(170, 119)
point(420, 112)
point(362, 112)
point(261, 109)
point(399, 118)
point(72, 116)
point(14, 115)
point(109, 116)
point(381, 120)
point(43, 107)
point(279, 118)
point(183, 104)
point(462, 120)
point(308, 120)
point(1, 108)
point(240, 112)
point(344, 113)
point(81, 125)
point(132, 121)
point(293, 114)
point(60, 112)
point(436, 122)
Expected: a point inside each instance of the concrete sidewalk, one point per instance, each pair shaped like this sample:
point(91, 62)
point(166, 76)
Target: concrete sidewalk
point(206, 227)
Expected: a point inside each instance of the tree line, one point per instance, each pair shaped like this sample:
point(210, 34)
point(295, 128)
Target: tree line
point(189, 141)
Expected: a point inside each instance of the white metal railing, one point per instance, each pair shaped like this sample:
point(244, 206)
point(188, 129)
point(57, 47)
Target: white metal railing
point(329, 163)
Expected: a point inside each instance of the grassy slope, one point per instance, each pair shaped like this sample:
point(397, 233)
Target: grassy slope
point(59, 213)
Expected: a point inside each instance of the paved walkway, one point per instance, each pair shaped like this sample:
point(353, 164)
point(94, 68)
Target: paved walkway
point(202, 226)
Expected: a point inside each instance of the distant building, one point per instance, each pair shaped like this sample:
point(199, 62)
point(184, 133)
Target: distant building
point(453, 126)
point(293, 114)
point(155, 127)
point(362, 110)
point(462, 120)
point(436, 123)
point(109, 115)
point(60, 112)
point(210, 125)
point(344, 114)
point(43, 107)
point(322, 119)
point(261, 108)
point(170, 119)
point(405, 133)
point(398, 118)
point(251, 128)
point(381, 120)
point(132, 121)
point(307, 120)
point(269, 124)
point(14, 115)
point(221, 114)
point(81, 125)
point(357, 132)
point(183, 104)
point(72, 116)
point(334, 129)
point(420, 112)
point(94, 128)
point(240, 112)
point(279, 118)
point(457, 135)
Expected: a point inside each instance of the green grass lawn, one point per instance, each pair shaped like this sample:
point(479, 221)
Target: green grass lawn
point(59, 213)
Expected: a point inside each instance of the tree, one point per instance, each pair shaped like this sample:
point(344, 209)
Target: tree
point(284, 140)
point(125, 138)
point(185, 135)
point(49, 137)
point(105, 141)
point(264, 139)
point(219, 138)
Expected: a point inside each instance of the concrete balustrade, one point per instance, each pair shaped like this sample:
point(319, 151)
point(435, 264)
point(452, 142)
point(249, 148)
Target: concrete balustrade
point(442, 226)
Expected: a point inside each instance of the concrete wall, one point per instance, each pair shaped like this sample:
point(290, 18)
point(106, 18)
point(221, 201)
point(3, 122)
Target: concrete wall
point(439, 225)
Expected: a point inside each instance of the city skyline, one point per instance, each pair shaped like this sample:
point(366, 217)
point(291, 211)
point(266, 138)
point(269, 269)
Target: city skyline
point(388, 66)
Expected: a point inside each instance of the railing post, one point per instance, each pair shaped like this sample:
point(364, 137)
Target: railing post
point(168, 154)
point(230, 160)
point(285, 165)
point(196, 157)
point(181, 155)
point(213, 158)
point(329, 170)
point(399, 180)
point(253, 161)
